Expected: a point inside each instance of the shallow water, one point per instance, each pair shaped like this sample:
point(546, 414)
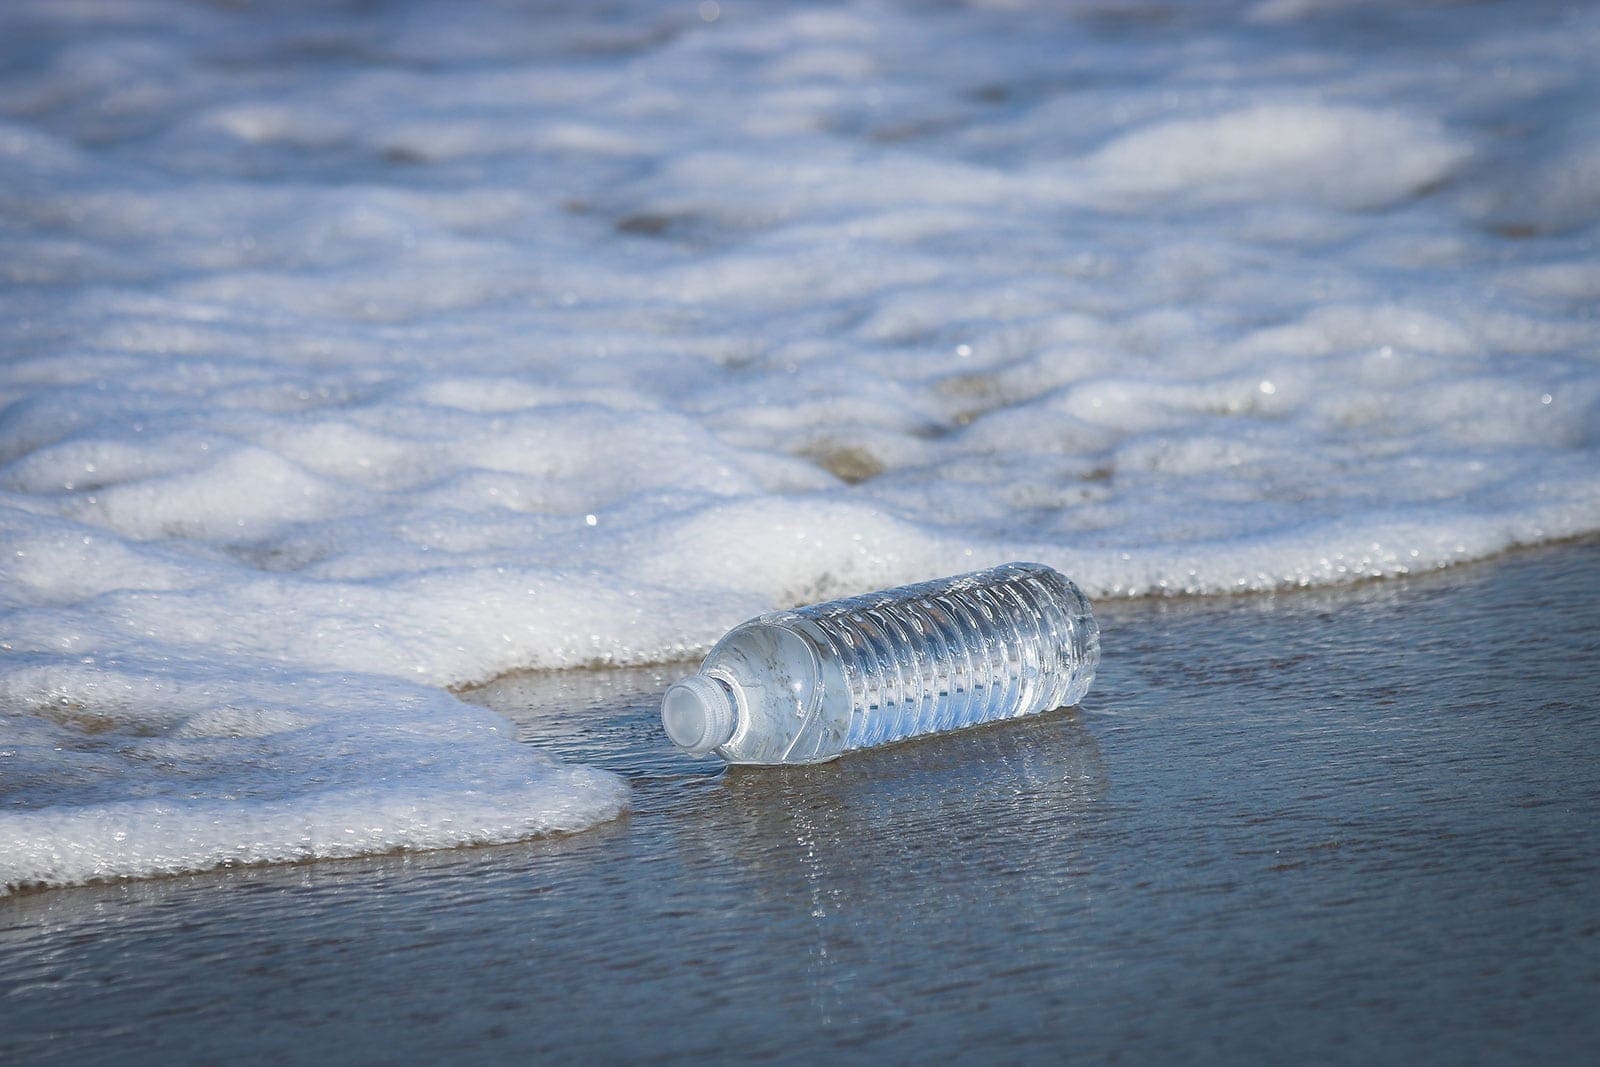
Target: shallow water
point(1349, 824)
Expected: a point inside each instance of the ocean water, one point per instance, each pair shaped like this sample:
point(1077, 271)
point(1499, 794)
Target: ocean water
point(353, 354)
point(1347, 825)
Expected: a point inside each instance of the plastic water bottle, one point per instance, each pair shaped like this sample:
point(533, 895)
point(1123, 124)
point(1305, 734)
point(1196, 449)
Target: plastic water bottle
point(807, 685)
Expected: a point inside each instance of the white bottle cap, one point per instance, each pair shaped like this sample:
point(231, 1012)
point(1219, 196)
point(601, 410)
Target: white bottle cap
point(699, 713)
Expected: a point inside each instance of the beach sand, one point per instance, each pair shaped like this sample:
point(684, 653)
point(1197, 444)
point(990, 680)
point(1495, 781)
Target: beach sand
point(1348, 824)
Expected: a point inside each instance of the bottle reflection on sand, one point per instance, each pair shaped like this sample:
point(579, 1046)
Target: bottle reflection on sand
point(915, 858)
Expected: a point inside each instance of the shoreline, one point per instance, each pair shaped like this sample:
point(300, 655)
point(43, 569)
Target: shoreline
point(482, 693)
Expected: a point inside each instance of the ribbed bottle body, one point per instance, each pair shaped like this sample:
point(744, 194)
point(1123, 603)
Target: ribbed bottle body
point(815, 682)
point(944, 655)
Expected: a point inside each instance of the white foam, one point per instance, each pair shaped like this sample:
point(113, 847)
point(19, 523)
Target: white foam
point(467, 341)
point(1344, 156)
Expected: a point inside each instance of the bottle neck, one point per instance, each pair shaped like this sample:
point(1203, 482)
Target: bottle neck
point(699, 713)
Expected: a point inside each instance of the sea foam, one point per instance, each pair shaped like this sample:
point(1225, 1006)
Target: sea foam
point(351, 359)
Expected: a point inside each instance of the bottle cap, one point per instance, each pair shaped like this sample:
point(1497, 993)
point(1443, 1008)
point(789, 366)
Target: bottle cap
point(699, 713)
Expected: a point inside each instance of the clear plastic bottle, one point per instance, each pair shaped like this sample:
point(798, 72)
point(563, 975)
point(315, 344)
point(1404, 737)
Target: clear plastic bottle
point(807, 685)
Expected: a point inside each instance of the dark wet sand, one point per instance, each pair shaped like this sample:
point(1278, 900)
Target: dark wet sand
point(1348, 825)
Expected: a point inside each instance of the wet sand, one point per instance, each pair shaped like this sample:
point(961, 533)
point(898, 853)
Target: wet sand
point(1344, 825)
